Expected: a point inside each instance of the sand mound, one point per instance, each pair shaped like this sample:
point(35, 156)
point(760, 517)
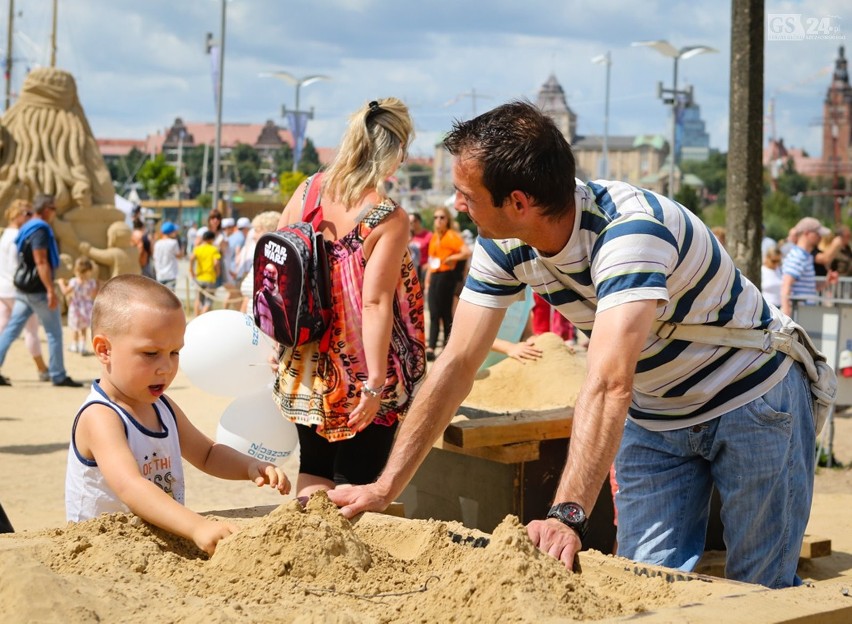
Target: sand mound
point(302, 565)
point(553, 381)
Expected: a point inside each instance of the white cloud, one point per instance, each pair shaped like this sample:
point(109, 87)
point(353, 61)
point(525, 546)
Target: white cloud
point(141, 64)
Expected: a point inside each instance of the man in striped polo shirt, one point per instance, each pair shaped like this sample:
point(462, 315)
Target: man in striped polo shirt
point(614, 259)
point(798, 274)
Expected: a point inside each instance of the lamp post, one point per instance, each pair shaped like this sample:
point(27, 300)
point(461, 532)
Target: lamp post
point(605, 59)
point(666, 49)
point(217, 149)
point(297, 119)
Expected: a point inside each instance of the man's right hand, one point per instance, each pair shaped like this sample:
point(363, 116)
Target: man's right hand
point(356, 499)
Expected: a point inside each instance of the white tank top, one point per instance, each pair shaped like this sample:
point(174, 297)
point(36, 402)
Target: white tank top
point(157, 454)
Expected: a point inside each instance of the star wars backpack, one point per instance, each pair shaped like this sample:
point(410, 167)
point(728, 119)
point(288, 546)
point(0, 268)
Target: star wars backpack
point(292, 286)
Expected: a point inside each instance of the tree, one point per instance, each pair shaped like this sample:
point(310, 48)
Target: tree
point(688, 198)
point(309, 163)
point(158, 177)
point(791, 182)
point(193, 167)
point(712, 172)
point(247, 164)
point(283, 159)
point(288, 182)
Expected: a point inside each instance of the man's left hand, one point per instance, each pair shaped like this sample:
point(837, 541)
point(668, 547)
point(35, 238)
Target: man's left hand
point(555, 539)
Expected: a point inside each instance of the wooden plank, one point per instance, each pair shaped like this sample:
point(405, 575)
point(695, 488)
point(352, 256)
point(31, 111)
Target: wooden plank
point(504, 454)
point(813, 547)
point(510, 428)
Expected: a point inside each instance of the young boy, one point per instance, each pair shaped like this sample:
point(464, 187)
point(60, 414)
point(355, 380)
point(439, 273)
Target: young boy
point(128, 437)
point(205, 266)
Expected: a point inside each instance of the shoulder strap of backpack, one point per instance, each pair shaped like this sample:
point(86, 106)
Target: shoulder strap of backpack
point(311, 208)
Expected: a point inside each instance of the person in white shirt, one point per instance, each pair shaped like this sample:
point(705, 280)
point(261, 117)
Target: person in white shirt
point(770, 277)
point(167, 251)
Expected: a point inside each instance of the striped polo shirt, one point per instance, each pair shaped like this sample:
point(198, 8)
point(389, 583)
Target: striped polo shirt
point(629, 244)
point(800, 264)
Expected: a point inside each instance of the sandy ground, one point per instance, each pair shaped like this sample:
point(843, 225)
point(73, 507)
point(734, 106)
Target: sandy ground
point(35, 421)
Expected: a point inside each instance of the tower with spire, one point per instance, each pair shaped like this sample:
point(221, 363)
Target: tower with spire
point(551, 101)
point(837, 121)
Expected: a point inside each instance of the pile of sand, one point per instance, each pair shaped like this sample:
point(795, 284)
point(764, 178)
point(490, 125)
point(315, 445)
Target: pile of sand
point(306, 565)
point(553, 381)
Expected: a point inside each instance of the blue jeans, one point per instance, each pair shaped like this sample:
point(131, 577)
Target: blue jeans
point(25, 306)
point(761, 459)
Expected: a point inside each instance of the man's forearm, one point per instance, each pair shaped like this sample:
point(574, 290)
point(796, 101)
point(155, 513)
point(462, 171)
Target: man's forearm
point(595, 437)
point(446, 386)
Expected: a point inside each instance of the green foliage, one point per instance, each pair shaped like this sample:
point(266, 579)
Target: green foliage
point(688, 198)
point(205, 200)
point(193, 167)
point(713, 172)
point(288, 182)
point(780, 213)
point(247, 163)
point(309, 163)
point(282, 159)
point(158, 177)
point(790, 182)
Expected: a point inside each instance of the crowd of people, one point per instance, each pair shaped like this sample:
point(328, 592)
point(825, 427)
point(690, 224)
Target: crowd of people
point(610, 265)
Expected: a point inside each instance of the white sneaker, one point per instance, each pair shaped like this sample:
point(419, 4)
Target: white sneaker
point(72, 348)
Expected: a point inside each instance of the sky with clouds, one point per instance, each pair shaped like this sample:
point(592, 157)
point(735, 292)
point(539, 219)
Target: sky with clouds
point(139, 65)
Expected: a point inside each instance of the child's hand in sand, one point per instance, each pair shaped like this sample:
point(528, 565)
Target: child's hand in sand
point(527, 350)
point(208, 533)
point(264, 472)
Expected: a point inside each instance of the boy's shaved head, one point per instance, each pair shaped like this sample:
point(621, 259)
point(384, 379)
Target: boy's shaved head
point(117, 299)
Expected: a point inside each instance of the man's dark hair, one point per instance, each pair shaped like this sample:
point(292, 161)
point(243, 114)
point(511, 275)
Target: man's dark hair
point(416, 216)
point(519, 149)
point(41, 202)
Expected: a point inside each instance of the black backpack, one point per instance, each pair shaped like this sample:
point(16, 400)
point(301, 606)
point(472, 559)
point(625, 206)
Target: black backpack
point(292, 285)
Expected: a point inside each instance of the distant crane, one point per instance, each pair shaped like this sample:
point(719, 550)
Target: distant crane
point(473, 95)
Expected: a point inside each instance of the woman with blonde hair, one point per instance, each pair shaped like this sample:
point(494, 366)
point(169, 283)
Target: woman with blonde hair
point(18, 213)
point(347, 392)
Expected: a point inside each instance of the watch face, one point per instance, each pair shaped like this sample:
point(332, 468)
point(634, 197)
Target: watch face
point(573, 513)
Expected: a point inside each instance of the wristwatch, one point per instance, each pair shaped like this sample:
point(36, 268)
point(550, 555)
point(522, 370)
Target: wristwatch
point(571, 515)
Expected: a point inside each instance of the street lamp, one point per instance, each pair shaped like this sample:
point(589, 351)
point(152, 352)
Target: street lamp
point(666, 49)
point(605, 59)
point(297, 119)
point(217, 149)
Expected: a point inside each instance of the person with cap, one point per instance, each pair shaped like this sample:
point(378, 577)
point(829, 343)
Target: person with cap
point(39, 252)
point(167, 251)
point(798, 274)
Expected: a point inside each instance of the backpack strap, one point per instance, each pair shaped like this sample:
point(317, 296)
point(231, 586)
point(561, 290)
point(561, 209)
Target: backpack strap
point(311, 208)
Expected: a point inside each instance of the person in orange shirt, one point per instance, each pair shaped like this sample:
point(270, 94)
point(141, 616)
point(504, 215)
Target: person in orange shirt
point(446, 248)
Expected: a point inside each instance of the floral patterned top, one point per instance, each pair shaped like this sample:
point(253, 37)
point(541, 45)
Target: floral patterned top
point(319, 383)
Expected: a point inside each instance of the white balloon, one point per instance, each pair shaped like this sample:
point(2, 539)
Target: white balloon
point(253, 425)
point(225, 354)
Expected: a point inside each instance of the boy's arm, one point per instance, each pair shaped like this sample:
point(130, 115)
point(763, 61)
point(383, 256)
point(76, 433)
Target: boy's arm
point(100, 435)
point(220, 460)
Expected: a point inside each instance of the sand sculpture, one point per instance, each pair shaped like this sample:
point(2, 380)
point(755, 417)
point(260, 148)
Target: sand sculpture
point(47, 146)
point(121, 254)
